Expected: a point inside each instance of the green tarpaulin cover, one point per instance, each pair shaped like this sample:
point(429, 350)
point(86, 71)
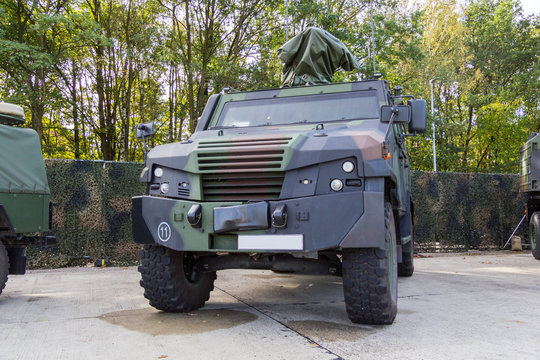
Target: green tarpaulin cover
point(21, 163)
point(313, 56)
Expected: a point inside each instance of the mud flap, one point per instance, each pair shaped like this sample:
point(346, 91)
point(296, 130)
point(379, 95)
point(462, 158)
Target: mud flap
point(368, 231)
point(141, 233)
point(17, 260)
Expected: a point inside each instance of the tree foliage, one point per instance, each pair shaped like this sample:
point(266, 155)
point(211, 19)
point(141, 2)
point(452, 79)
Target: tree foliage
point(484, 59)
point(87, 71)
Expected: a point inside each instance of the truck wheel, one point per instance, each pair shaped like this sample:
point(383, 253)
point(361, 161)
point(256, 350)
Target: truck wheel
point(4, 266)
point(406, 266)
point(169, 281)
point(534, 234)
point(370, 279)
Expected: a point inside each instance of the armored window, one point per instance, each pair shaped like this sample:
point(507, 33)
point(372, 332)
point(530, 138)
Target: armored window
point(320, 108)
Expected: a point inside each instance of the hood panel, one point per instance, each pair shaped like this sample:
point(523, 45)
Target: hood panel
point(270, 149)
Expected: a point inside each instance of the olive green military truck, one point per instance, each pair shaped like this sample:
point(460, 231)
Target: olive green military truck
point(24, 191)
point(529, 183)
point(312, 178)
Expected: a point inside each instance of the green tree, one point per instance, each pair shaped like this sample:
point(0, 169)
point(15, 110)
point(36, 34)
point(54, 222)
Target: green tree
point(28, 50)
point(89, 70)
point(486, 92)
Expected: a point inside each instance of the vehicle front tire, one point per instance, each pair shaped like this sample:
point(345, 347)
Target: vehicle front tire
point(534, 234)
point(370, 279)
point(4, 266)
point(169, 281)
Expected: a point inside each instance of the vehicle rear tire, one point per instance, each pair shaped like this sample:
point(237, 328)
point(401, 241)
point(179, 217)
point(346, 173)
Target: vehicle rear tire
point(4, 266)
point(370, 279)
point(406, 266)
point(169, 281)
point(534, 234)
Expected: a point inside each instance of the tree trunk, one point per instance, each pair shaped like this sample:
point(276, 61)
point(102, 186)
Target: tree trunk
point(467, 139)
point(75, 111)
point(103, 131)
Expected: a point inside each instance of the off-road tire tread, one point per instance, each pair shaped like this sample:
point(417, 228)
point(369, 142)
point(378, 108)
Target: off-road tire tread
point(536, 251)
point(366, 290)
point(4, 266)
point(165, 284)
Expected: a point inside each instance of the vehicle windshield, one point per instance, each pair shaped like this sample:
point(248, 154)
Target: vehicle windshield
point(318, 108)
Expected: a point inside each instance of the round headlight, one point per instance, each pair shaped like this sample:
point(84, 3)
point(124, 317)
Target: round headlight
point(158, 172)
point(336, 185)
point(347, 166)
point(164, 188)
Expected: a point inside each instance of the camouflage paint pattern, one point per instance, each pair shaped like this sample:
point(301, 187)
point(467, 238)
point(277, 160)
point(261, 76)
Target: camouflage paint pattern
point(219, 165)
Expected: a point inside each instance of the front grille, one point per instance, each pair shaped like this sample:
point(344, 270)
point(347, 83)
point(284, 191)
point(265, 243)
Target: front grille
point(242, 186)
point(241, 170)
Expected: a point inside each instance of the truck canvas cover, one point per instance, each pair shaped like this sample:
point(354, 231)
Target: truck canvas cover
point(23, 169)
point(312, 57)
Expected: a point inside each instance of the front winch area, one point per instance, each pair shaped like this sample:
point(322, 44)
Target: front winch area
point(241, 217)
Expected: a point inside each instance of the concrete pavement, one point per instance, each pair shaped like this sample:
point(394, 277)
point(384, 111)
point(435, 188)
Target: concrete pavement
point(454, 307)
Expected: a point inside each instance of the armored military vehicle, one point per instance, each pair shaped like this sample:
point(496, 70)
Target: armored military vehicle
point(529, 183)
point(24, 191)
point(312, 178)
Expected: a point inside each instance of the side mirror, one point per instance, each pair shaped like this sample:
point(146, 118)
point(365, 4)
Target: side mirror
point(402, 113)
point(418, 116)
point(145, 130)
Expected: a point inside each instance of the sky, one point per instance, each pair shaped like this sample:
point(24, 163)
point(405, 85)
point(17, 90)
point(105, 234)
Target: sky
point(531, 6)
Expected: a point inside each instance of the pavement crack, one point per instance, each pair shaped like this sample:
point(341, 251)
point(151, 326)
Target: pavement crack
point(310, 340)
point(313, 303)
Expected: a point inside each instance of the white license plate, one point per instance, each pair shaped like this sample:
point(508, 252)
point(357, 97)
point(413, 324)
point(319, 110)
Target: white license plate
point(271, 242)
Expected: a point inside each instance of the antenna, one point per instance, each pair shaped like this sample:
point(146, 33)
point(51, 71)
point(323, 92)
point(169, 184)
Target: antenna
point(372, 35)
point(287, 20)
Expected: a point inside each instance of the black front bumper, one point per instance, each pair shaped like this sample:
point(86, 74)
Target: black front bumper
point(321, 222)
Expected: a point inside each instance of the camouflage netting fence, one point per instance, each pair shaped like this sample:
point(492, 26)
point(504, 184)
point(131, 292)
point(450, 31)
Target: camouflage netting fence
point(459, 212)
point(453, 212)
point(91, 216)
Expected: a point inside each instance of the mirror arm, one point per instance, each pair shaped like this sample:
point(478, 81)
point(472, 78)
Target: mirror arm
point(145, 148)
point(391, 122)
